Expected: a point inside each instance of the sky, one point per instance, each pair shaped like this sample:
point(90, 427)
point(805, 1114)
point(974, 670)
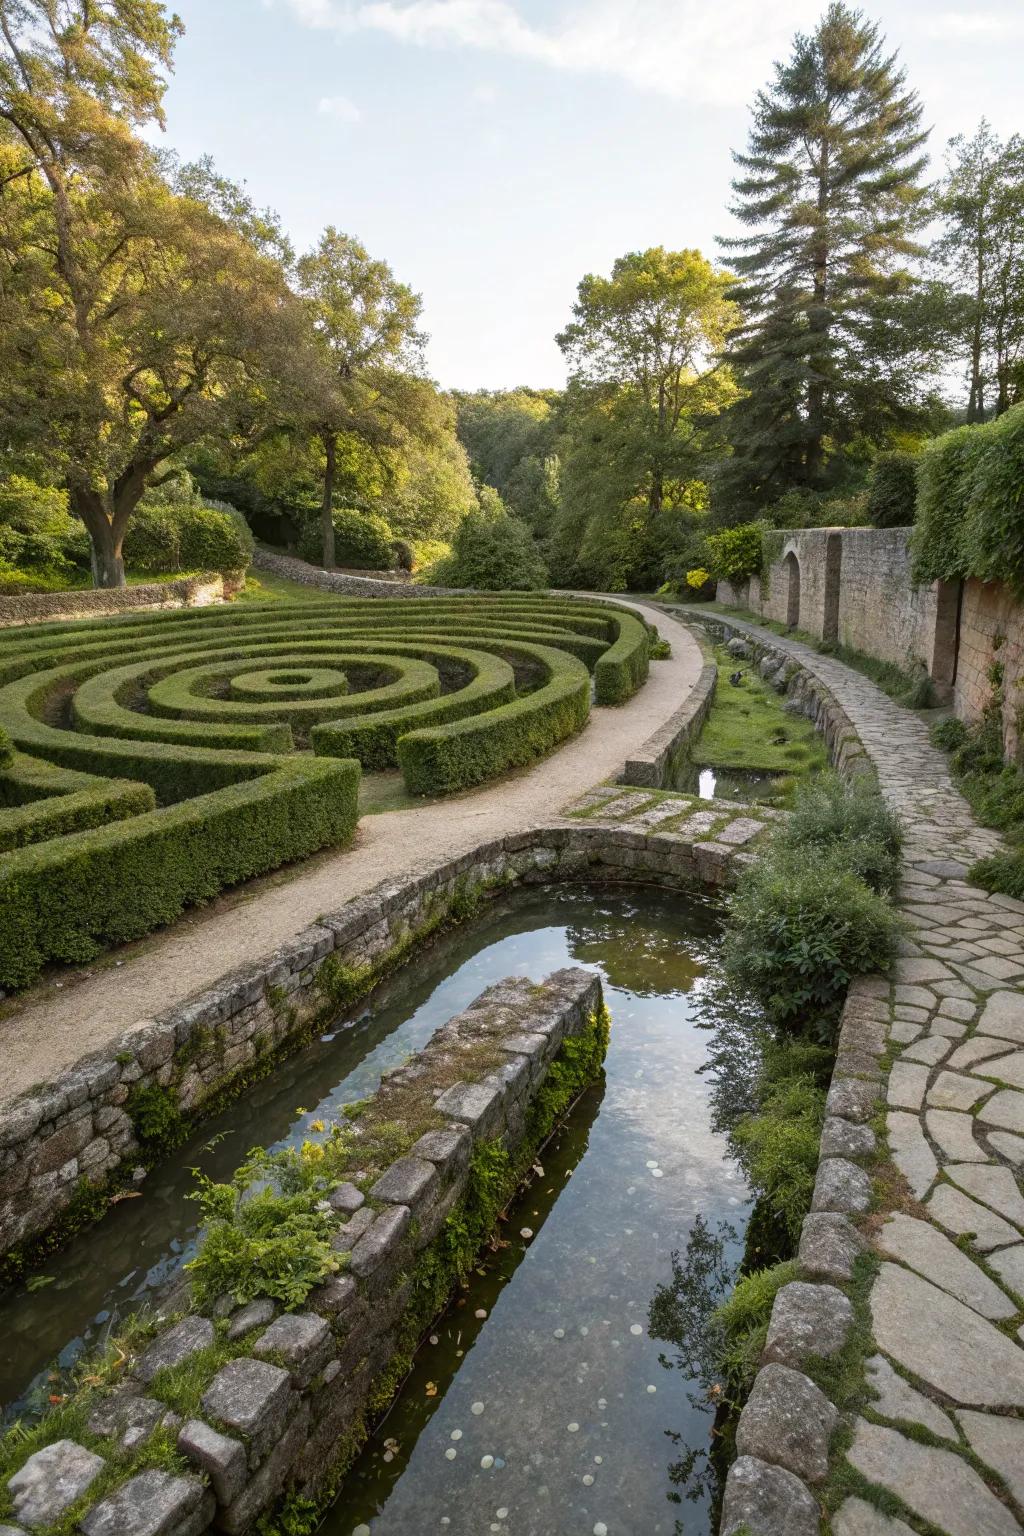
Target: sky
point(495, 151)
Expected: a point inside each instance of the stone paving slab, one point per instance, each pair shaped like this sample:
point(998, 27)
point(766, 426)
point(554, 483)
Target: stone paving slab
point(940, 1443)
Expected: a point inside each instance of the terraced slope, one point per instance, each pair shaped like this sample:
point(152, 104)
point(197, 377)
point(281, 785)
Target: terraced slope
point(154, 759)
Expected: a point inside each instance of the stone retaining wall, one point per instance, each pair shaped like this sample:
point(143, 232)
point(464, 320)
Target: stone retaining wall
point(188, 592)
point(62, 1139)
point(784, 1430)
point(288, 1410)
point(344, 582)
point(856, 586)
point(651, 767)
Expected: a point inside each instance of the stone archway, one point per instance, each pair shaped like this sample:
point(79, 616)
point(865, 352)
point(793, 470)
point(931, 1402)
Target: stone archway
point(791, 565)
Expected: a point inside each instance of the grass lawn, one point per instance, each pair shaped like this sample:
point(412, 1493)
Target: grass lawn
point(748, 729)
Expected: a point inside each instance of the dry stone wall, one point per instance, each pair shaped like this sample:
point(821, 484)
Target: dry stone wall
point(345, 582)
point(856, 586)
point(289, 1405)
point(60, 1141)
point(188, 592)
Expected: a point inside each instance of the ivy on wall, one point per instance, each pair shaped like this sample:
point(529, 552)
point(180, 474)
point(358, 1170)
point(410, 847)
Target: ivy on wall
point(970, 504)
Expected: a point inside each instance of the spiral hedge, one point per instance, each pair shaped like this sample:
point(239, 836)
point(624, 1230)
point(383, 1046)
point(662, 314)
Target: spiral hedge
point(147, 761)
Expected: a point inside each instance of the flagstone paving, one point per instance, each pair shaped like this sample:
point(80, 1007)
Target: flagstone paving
point(940, 1446)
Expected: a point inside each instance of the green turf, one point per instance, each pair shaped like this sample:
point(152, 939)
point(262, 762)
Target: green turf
point(748, 729)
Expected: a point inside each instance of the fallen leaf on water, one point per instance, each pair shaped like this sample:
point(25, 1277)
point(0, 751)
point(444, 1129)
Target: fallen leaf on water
point(431, 1388)
point(126, 1194)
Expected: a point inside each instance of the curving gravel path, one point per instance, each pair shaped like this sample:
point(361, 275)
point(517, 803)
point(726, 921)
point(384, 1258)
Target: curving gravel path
point(54, 1025)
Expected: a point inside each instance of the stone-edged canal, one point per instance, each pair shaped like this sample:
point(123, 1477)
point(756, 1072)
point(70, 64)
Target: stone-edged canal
point(556, 1402)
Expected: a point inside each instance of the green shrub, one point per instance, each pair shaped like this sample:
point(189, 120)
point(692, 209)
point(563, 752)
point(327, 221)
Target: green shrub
point(362, 540)
point(949, 734)
point(945, 475)
point(63, 899)
point(260, 1243)
point(803, 925)
point(405, 555)
point(1000, 872)
point(41, 544)
point(172, 529)
point(892, 495)
point(735, 553)
point(743, 1319)
point(779, 1147)
point(994, 531)
point(625, 665)
point(444, 758)
point(492, 551)
point(6, 751)
point(851, 822)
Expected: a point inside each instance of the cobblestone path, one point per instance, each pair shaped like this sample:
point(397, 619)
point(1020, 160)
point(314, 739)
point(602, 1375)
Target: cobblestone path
point(940, 1446)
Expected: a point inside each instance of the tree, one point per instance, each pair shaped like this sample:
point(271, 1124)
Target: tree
point(981, 255)
point(132, 321)
point(640, 413)
point(512, 438)
point(363, 324)
point(829, 188)
point(493, 551)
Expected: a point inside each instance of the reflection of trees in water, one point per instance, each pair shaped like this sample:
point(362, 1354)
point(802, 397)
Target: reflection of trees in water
point(638, 953)
point(684, 1313)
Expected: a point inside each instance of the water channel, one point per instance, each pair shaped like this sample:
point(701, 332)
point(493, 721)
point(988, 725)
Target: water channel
point(541, 1404)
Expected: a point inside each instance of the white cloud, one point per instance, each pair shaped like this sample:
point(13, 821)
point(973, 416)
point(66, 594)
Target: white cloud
point(958, 25)
point(340, 107)
point(486, 95)
point(681, 48)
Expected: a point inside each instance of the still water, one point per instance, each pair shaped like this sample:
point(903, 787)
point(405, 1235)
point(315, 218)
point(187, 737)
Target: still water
point(556, 1412)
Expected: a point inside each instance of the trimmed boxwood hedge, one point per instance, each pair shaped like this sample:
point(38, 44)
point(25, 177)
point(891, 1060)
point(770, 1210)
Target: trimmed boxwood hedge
point(64, 899)
point(451, 757)
point(152, 757)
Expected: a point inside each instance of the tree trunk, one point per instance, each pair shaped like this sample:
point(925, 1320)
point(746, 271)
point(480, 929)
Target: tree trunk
point(330, 442)
point(106, 534)
point(976, 398)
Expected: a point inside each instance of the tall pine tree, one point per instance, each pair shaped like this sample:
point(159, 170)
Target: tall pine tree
point(829, 190)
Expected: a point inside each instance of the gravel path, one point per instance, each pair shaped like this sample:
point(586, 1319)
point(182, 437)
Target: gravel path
point(54, 1026)
point(943, 1432)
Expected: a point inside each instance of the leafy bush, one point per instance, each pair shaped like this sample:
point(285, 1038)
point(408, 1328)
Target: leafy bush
point(803, 925)
point(1002, 872)
point(173, 529)
point(492, 551)
point(6, 751)
point(362, 540)
point(994, 532)
point(970, 509)
point(405, 555)
point(62, 899)
point(851, 821)
point(41, 544)
point(892, 495)
point(743, 1320)
point(779, 1146)
point(260, 1243)
point(736, 553)
point(949, 734)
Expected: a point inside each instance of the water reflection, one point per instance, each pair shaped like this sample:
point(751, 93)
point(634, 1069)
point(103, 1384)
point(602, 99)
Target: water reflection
point(577, 1397)
point(561, 1411)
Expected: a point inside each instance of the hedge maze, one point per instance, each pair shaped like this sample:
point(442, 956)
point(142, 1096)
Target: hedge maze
point(149, 761)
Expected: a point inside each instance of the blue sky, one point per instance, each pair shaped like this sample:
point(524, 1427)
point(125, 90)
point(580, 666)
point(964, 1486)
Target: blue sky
point(493, 151)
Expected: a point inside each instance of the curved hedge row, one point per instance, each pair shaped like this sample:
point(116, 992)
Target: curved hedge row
point(156, 758)
point(970, 504)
